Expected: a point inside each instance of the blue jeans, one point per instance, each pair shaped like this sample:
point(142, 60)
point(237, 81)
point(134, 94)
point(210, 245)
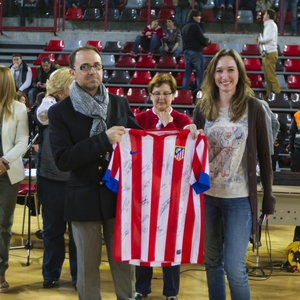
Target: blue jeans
point(32, 93)
point(220, 2)
point(150, 44)
point(171, 276)
point(52, 197)
point(176, 53)
point(292, 5)
point(180, 15)
point(193, 60)
point(227, 228)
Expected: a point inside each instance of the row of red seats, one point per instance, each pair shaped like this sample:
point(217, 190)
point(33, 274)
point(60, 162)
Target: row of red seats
point(164, 62)
point(115, 46)
point(292, 82)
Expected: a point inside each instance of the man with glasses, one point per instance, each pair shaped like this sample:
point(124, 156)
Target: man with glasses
point(193, 43)
point(83, 128)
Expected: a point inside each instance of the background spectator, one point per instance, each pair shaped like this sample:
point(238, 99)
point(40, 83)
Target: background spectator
point(292, 6)
point(294, 148)
point(269, 60)
point(22, 97)
point(223, 4)
point(13, 144)
point(149, 38)
point(75, 3)
point(39, 81)
point(263, 5)
point(51, 188)
point(22, 73)
point(182, 8)
point(193, 43)
point(171, 39)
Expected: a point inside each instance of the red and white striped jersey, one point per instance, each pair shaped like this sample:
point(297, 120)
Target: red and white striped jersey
point(159, 177)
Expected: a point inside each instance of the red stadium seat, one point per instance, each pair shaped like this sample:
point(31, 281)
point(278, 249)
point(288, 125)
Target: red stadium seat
point(137, 95)
point(252, 64)
point(165, 13)
point(179, 78)
point(141, 77)
point(167, 62)
point(96, 44)
point(24, 193)
point(167, 4)
point(208, 16)
point(38, 61)
point(250, 49)
point(256, 80)
point(293, 82)
point(33, 70)
point(63, 59)
point(291, 50)
point(145, 62)
point(116, 90)
point(74, 14)
point(143, 16)
point(55, 45)
point(128, 46)
point(183, 97)
point(181, 63)
point(292, 65)
point(213, 48)
point(126, 61)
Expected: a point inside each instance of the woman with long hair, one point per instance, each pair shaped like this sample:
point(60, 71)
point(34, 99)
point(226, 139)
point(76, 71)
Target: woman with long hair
point(51, 187)
point(13, 144)
point(234, 123)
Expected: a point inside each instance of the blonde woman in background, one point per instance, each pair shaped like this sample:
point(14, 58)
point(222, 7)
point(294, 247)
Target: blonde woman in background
point(51, 187)
point(13, 144)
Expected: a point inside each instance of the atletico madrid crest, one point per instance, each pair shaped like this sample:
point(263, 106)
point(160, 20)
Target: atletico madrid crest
point(179, 153)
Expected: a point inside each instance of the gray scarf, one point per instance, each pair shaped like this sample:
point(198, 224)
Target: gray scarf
point(93, 107)
point(18, 76)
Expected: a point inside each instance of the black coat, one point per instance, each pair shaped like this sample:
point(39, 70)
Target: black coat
point(86, 157)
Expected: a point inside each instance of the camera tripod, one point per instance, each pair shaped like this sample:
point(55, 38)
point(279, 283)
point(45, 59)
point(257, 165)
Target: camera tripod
point(28, 198)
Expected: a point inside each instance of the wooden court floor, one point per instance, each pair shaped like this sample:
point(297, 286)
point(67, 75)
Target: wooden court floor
point(26, 281)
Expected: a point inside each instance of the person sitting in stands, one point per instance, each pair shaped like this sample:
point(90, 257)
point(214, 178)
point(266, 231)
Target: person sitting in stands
point(149, 38)
point(21, 72)
point(39, 81)
point(182, 8)
point(263, 5)
point(221, 4)
point(171, 39)
point(23, 99)
point(75, 3)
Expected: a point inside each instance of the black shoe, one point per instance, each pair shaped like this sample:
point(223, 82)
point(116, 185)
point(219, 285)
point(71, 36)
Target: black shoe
point(48, 284)
point(39, 234)
point(139, 296)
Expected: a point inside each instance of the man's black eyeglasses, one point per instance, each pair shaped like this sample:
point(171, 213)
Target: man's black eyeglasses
point(87, 67)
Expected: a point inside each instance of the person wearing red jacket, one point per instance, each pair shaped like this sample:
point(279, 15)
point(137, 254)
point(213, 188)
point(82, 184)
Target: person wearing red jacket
point(149, 38)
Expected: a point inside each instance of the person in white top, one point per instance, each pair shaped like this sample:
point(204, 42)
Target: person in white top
point(13, 144)
point(269, 40)
point(22, 73)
